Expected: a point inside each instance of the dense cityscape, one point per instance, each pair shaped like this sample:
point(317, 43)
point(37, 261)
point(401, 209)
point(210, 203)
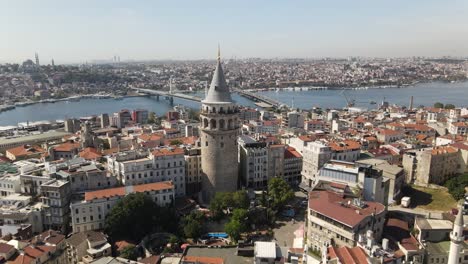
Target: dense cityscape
point(31, 81)
point(232, 184)
point(232, 132)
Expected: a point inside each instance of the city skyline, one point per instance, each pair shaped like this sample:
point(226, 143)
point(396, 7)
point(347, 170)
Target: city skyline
point(89, 31)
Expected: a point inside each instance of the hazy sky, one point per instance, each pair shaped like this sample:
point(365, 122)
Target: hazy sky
point(78, 31)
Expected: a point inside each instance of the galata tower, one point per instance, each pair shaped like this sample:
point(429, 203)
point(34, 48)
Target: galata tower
point(218, 133)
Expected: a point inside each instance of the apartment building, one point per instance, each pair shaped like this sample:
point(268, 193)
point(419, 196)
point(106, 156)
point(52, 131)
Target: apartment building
point(253, 162)
point(345, 150)
point(292, 166)
point(164, 164)
point(432, 165)
point(193, 171)
point(55, 195)
point(315, 155)
point(90, 213)
point(337, 220)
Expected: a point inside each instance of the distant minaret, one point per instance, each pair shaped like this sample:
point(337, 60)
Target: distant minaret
point(53, 63)
point(456, 238)
point(170, 85)
point(37, 59)
point(411, 103)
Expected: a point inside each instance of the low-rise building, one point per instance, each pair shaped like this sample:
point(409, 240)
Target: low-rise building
point(253, 162)
point(165, 164)
point(334, 219)
point(55, 196)
point(367, 181)
point(292, 166)
point(89, 214)
point(315, 155)
point(193, 171)
point(395, 174)
point(346, 150)
point(87, 176)
point(87, 246)
point(432, 165)
point(24, 152)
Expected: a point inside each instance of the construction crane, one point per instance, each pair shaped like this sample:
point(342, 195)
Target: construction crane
point(349, 102)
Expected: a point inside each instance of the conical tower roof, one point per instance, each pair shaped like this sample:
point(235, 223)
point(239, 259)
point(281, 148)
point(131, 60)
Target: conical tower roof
point(219, 91)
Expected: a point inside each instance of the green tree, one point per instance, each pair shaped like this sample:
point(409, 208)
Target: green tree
point(456, 186)
point(217, 206)
point(279, 192)
point(233, 228)
point(193, 225)
point(449, 106)
point(129, 252)
point(137, 215)
point(439, 105)
point(152, 118)
point(240, 199)
point(240, 215)
point(176, 142)
point(193, 114)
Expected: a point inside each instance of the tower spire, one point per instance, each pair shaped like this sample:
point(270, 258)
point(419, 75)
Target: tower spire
point(219, 90)
point(456, 238)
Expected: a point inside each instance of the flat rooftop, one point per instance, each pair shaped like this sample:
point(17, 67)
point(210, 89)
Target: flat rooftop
point(442, 247)
point(227, 254)
point(33, 137)
point(424, 223)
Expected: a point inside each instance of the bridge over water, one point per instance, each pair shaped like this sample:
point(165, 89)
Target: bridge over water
point(169, 95)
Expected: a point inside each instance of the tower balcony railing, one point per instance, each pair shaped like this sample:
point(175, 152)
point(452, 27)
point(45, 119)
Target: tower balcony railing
point(218, 113)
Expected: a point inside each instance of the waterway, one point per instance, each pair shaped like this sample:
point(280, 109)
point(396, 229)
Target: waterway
point(424, 94)
point(86, 107)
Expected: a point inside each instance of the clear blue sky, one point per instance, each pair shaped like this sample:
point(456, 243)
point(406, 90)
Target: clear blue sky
point(78, 31)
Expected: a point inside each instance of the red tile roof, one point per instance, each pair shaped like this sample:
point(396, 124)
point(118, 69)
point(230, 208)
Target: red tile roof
point(346, 255)
point(90, 154)
point(291, 152)
point(202, 260)
point(185, 140)
point(150, 137)
point(22, 259)
point(389, 132)
point(344, 145)
point(334, 206)
point(308, 138)
point(121, 191)
point(122, 244)
point(460, 145)
point(5, 248)
point(443, 150)
point(37, 251)
point(25, 150)
point(167, 152)
point(67, 147)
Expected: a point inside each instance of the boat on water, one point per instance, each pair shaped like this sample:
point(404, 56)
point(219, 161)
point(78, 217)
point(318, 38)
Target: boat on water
point(372, 102)
point(118, 98)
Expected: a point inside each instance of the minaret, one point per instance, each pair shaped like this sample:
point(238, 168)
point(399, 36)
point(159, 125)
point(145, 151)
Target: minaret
point(218, 134)
point(456, 238)
point(37, 59)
